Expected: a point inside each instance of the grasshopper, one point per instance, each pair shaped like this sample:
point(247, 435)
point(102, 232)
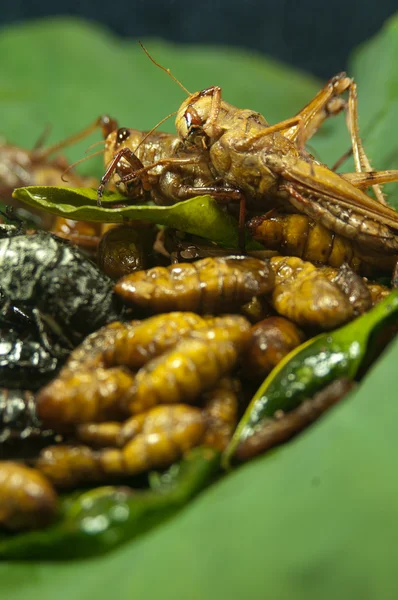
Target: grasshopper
point(44, 166)
point(270, 164)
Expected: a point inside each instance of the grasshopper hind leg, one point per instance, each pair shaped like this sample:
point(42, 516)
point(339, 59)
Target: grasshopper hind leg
point(367, 179)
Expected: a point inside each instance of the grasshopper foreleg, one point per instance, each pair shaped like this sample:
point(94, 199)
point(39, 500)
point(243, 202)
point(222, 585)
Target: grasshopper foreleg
point(134, 162)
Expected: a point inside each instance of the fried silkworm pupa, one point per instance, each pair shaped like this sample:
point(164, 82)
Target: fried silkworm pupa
point(305, 296)
point(211, 285)
point(87, 390)
point(100, 435)
point(133, 343)
point(27, 498)
point(221, 413)
point(134, 346)
point(298, 235)
point(271, 340)
point(84, 390)
point(286, 425)
point(123, 250)
point(84, 397)
point(157, 438)
point(192, 367)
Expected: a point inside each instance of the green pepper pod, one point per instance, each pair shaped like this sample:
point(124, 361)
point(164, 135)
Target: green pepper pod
point(310, 367)
point(103, 518)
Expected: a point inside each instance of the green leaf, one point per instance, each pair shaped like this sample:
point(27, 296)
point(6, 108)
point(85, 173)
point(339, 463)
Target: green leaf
point(311, 367)
point(200, 216)
point(319, 515)
point(98, 520)
point(66, 73)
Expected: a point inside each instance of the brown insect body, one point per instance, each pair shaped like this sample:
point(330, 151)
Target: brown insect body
point(153, 439)
point(165, 183)
point(304, 295)
point(221, 413)
point(27, 498)
point(210, 285)
point(270, 340)
point(96, 386)
point(298, 235)
point(20, 167)
point(193, 366)
point(269, 164)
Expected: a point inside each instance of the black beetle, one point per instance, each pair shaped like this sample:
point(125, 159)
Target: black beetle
point(55, 284)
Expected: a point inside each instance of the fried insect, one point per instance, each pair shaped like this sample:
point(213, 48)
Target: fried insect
point(27, 498)
point(271, 340)
point(82, 233)
point(211, 285)
point(54, 282)
point(298, 235)
point(129, 153)
point(125, 249)
point(192, 367)
point(91, 386)
point(25, 362)
point(156, 165)
point(221, 413)
point(303, 294)
point(84, 396)
point(39, 166)
point(269, 164)
point(100, 435)
point(66, 400)
point(134, 345)
point(18, 417)
point(353, 287)
point(157, 438)
point(21, 167)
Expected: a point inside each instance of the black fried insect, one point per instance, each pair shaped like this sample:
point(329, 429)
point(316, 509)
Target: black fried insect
point(17, 413)
point(24, 361)
point(55, 285)
point(21, 432)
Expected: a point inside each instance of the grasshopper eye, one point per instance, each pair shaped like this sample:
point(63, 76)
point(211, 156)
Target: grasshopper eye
point(193, 121)
point(195, 136)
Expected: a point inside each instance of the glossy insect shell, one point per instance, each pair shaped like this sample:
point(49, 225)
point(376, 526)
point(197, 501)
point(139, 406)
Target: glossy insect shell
point(44, 272)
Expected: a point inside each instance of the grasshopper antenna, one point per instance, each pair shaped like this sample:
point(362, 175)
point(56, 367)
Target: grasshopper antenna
point(93, 145)
point(164, 69)
point(78, 162)
point(148, 133)
point(76, 137)
point(42, 138)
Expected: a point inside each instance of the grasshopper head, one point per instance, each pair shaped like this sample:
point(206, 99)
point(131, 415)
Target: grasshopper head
point(192, 121)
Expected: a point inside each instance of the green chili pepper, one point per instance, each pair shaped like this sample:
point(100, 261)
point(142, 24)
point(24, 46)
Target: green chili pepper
point(105, 517)
point(310, 367)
